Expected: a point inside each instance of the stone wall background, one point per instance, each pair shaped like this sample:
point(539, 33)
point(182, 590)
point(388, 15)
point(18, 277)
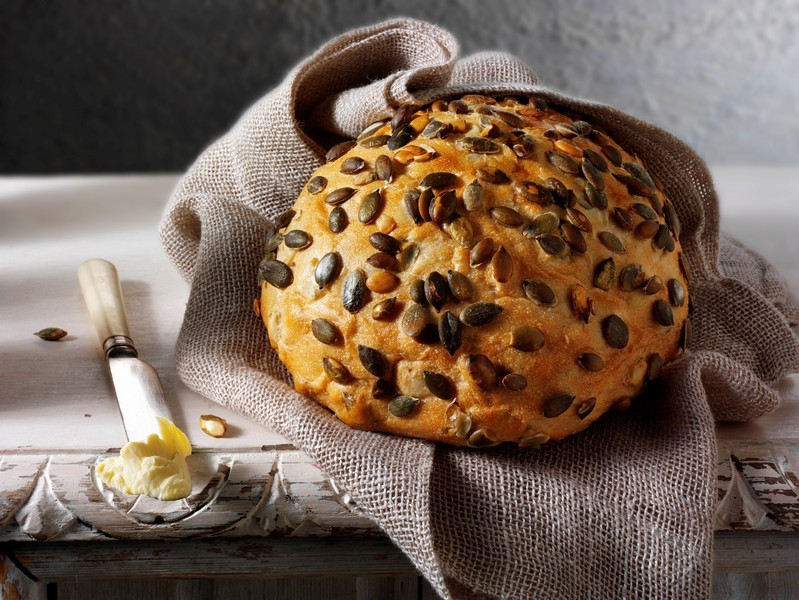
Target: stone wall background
point(144, 85)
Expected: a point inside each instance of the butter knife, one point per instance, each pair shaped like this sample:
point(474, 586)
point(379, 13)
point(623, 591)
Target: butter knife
point(138, 388)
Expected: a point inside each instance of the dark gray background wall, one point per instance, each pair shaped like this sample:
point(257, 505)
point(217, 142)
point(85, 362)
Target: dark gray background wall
point(144, 85)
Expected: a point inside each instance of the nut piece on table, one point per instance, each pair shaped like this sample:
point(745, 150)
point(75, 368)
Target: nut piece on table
point(51, 334)
point(213, 425)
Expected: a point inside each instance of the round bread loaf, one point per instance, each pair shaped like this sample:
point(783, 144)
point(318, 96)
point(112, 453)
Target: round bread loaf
point(475, 272)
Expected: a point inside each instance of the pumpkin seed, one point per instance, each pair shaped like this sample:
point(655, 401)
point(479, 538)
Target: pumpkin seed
point(645, 211)
point(411, 202)
point(436, 129)
point(436, 290)
point(579, 220)
point(327, 269)
point(382, 282)
point(631, 278)
point(335, 370)
point(593, 175)
point(370, 207)
point(273, 241)
point(559, 192)
point(384, 168)
point(364, 178)
point(527, 338)
point(646, 229)
point(51, 334)
point(591, 362)
point(297, 239)
point(594, 198)
point(480, 439)
point(339, 150)
point(425, 202)
point(444, 206)
point(557, 405)
point(672, 220)
point(582, 127)
point(527, 191)
point(276, 273)
point(676, 293)
point(615, 331)
point(473, 196)
point(566, 130)
point(585, 407)
point(416, 292)
point(460, 229)
point(402, 406)
point(408, 256)
point(622, 404)
point(337, 220)
point(605, 274)
point(623, 218)
point(493, 175)
point(612, 153)
point(654, 365)
point(401, 116)
point(551, 244)
point(481, 252)
point(611, 242)
point(653, 285)
point(563, 162)
point(439, 385)
point(533, 441)
point(507, 217)
point(372, 360)
point(596, 159)
point(383, 390)
point(662, 313)
point(384, 309)
point(524, 147)
point(316, 184)
point(438, 180)
point(573, 237)
point(539, 292)
point(449, 332)
point(414, 320)
point(509, 118)
point(459, 285)
point(352, 165)
point(284, 218)
point(384, 243)
point(381, 260)
point(400, 137)
point(502, 265)
point(371, 129)
point(514, 382)
point(640, 173)
point(458, 107)
point(339, 196)
point(656, 204)
point(685, 334)
point(686, 270)
point(376, 141)
point(480, 313)
point(582, 303)
point(634, 186)
point(662, 238)
point(482, 371)
point(324, 331)
point(478, 145)
point(568, 148)
point(543, 224)
point(353, 291)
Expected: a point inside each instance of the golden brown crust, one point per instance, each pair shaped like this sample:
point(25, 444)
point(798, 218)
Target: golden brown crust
point(527, 145)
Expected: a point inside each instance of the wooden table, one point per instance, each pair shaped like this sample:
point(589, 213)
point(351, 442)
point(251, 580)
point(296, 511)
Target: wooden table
point(259, 506)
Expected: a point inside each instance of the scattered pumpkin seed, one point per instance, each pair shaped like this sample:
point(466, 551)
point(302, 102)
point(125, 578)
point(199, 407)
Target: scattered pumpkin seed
point(400, 137)
point(594, 197)
point(676, 293)
point(327, 269)
point(482, 371)
point(543, 224)
point(632, 277)
point(623, 218)
point(335, 370)
point(480, 439)
point(401, 116)
point(425, 203)
point(582, 303)
point(662, 313)
point(353, 291)
point(408, 255)
point(436, 129)
point(551, 244)
point(656, 203)
point(582, 127)
point(480, 313)
point(384, 168)
point(640, 173)
point(444, 206)
point(381, 260)
point(662, 239)
point(337, 220)
point(686, 334)
point(528, 191)
point(533, 441)
point(612, 153)
point(284, 218)
point(449, 332)
point(579, 220)
point(593, 175)
point(473, 196)
point(384, 309)
point(502, 265)
point(493, 175)
point(672, 220)
point(585, 407)
point(324, 331)
point(352, 165)
point(478, 145)
point(297, 239)
point(439, 385)
point(509, 118)
point(507, 217)
point(383, 389)
point(605, 274)
point(370, 207)
point(459, 285)
point(416, 292)
point(436, 290)
point(611, 242)
point(414, 320)
point(566, 130)
point(438, 180)
point(646, 229)
point(481, 252)
point(654, 365)
point(563, 162)
point(384, 243)
point(634, 186)
point(573, 237)
point(596, 159)
point(376, 141)
point(371, 129)
point(524, 147)
point(615, 331)
point(558, 190)
point(402, 406)
point(339, 196)
point(539, 292)
point(460, 230)
point(316, 184)
point(382, 282)
point(339, 150)
point(276, 273)
point(273, 241)
point(514, 382)
point(557, 405)
point(527, 338)
point(411, 202)
point(51, 334)
point(372, 360)
point(591, 362)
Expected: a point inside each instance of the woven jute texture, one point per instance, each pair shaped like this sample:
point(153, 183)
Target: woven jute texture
point(622, 510)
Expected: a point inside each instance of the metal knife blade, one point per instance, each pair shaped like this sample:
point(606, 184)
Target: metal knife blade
point(138, 388)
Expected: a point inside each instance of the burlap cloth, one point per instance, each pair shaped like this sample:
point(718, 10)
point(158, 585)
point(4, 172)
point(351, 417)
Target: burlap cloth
point(623, 510)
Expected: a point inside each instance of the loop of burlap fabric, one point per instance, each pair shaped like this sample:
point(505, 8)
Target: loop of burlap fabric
point(623, 510)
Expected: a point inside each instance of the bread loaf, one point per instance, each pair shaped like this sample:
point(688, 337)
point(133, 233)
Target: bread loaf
point(476, 271)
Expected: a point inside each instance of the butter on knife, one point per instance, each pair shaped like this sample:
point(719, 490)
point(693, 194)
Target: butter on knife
point(153, 462)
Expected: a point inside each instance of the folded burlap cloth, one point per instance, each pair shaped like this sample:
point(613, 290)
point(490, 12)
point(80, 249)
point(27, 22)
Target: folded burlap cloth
point(622, 510)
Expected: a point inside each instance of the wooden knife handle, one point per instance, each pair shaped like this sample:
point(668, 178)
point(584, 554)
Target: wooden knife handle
point(99, 284)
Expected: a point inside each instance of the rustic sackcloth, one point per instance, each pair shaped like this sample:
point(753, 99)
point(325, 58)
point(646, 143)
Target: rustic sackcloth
point(623, 510)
